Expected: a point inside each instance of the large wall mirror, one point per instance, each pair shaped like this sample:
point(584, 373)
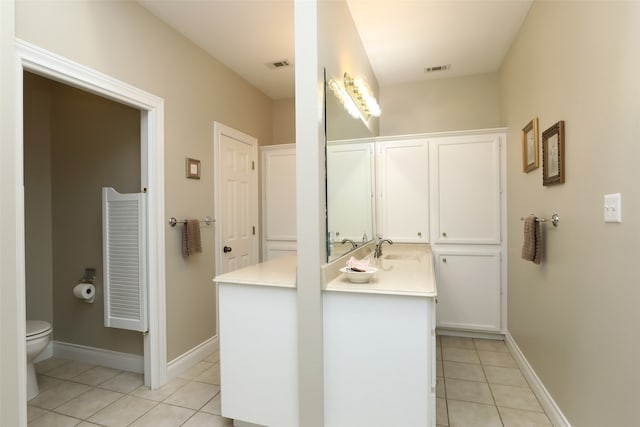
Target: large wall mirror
point(350, 178)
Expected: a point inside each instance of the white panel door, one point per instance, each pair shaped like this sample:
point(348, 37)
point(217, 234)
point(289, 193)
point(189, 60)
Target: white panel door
point(465, 189)
point(236, 200)
point(403, 181)
point(468, 289)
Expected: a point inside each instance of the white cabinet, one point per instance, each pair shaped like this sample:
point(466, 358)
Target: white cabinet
point(278, 200)
point(466, 189)
point(379, 360)
point(469, 289)
point(403, 190)
point(259, 354)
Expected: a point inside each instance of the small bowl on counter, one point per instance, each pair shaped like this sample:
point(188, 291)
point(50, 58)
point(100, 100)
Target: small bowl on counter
point(356, 276)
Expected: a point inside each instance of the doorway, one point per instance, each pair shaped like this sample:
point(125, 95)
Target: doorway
point(46, 64)
point(236, 198)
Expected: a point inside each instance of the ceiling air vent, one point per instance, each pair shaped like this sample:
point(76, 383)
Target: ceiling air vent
point(438, 68)
point(278, 64)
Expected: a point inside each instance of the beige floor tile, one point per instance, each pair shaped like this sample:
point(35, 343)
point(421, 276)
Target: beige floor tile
point(469, 414)
point(193, 395)
point(463, 371)
point(201, 419)
point(469, 391)
point(442, 419)
point(89, 403)
point(462, 355)
point(493, 358)
point(45, 382)
point(163, 392)
point(61, 393)
point(213, 406)
point(49, 364)
point(505, 376)
point(518, 418)
point(51, 419)
point(34, 412)
point(515, 397)
point(213, 357)
point(498, 346)
point(210, 375)
point(164, 415)
point(458, 342)
point(96, 375)
point(122, 412)
point(125, 382)
point(88, 424)
point(193, 372)
point(69, 370)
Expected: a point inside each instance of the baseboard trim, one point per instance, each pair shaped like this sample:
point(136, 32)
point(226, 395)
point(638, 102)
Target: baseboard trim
point(549, 405)
point(470, 334)
point(186, 360)
point(98, 356)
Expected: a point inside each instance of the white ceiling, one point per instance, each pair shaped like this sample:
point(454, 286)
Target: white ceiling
point(401, 37)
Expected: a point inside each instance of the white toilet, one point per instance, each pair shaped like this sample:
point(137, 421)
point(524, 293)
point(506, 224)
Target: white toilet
point(38, 335)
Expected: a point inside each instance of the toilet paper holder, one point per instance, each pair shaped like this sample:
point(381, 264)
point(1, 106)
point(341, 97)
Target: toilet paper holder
point(89, 276)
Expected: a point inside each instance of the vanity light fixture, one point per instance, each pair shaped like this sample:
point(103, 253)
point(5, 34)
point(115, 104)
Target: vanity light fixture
point(344, 98)
point(362, 96)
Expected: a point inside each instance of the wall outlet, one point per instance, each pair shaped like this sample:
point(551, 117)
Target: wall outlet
point(613, 207)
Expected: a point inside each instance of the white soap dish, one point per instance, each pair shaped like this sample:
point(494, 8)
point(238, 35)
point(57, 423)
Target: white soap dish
point(359, 276)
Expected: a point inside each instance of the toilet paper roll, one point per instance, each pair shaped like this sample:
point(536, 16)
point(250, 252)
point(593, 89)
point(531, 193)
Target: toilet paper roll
point(85, 292)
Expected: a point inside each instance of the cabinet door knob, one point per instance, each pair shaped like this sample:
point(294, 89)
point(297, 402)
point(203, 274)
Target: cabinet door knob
point(444, 234)
point(226, 249)
point(419, 233)
point(444, 260)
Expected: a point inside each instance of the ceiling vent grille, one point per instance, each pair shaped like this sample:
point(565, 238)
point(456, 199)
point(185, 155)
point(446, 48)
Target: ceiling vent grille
point(284, 63)
point(438, 68)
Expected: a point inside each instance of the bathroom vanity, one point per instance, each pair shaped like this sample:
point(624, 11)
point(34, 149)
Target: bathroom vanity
point(379, 341)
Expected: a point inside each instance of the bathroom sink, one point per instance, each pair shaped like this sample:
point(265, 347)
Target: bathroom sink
point(406, 256)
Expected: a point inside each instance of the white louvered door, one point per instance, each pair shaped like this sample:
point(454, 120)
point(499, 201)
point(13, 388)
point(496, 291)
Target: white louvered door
point(124, 260)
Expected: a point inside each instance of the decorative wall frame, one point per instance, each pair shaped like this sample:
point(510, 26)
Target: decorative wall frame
point(553, 155)
point(530, 146)
point(193, 168)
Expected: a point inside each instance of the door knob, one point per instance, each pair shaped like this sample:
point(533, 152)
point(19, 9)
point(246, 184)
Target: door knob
point(226, 249)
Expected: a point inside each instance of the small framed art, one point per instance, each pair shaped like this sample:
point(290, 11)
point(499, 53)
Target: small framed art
point(553, 155)
point(530, 146)
point(193, 168)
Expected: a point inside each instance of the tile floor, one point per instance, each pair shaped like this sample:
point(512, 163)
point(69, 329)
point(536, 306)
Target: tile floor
point(479, 385)
point(79, 394)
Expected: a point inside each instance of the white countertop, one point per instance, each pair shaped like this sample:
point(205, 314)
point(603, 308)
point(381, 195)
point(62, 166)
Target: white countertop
point(403, 269)
point(279, 272)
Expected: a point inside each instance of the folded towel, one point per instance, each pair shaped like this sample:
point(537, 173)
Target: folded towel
point(532, 246)
point(191, 243)
point(358, 265)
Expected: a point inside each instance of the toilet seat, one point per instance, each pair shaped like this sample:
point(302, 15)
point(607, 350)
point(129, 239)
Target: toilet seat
point(37, 329)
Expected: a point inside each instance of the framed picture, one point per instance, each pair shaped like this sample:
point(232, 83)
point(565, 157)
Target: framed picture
point(193, 168)
point(553, 154)
point(530, 147)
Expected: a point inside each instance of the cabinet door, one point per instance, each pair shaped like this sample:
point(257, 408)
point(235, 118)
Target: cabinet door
point(468, 290)
point(403, 180)
point(278, 196)
point(465, 188)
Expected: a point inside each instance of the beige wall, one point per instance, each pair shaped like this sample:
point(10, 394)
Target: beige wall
point(440, 105)
point(576, 316)
point(284, 121)
point(75, 143)
point(123, 40)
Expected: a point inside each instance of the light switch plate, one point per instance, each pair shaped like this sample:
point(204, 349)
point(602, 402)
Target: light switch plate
point(613, 207)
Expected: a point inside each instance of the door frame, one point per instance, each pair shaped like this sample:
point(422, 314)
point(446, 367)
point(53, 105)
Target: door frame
point(39, 61)
point(218, 130)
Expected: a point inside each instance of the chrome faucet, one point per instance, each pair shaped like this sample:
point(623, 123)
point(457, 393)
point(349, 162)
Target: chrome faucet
point(378, 252)
point(353, 244)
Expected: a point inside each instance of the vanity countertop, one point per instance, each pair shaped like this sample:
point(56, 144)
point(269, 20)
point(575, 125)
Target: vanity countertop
point(279, 272)
point(403, 269)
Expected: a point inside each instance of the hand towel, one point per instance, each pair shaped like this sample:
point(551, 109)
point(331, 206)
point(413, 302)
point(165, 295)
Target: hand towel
point(532, 246)
point(357, 265)
point(191, 243)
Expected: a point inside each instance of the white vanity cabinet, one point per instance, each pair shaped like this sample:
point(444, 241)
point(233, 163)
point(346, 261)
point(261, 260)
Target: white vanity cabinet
point(469, 289)
point(466, 189)
point(403, 189)
point(278, 200)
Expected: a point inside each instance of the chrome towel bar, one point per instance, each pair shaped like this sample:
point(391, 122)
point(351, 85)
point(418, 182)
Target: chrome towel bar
point(555, 219)
point(173, 221)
